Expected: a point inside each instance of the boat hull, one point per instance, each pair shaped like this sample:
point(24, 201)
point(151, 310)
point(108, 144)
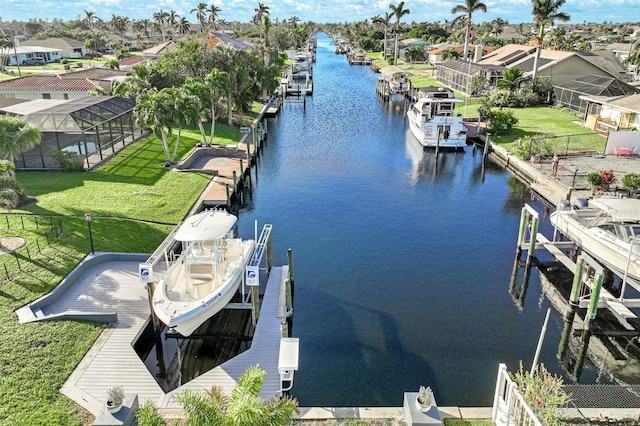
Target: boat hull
point(457, 140)
point(609, 251)
point(185, 314)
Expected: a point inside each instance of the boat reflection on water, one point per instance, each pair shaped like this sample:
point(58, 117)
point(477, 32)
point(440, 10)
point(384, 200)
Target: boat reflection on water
point(427, 163)
point(605, 346)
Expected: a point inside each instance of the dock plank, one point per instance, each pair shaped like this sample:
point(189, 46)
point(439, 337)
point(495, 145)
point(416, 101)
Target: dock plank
point(112, 360)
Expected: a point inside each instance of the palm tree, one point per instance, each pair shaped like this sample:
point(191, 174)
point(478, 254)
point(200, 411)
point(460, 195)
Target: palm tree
point(398, 11)
point(201, 14)
point(186, 110)
point(242, 408)
point(153, 110)
point(161, 19)
point(183, 26)
point(512, 79)
point(545, 12)
point(8, 43)
point(213, 15)
point(16, 136)
point(90, 19)
point(172, 18)
point(261, 11)
point(384, 21)
point(449, 54)
point(467, 10)
point(218, 84)
point(633, 59)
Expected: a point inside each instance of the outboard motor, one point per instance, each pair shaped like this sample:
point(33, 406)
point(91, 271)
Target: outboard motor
point(564, 205)
point(581, 203)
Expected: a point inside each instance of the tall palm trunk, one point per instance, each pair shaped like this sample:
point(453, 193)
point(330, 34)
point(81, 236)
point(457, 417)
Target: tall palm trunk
point(15, 54)
point(202, 132)
point(213, 122)
point(395, 55)
point(466, 39)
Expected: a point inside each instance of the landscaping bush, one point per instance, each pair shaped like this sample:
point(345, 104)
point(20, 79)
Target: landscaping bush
point(500, 122)
point(68, 161)
point(527, 146)
point(631, 182)
point(602, 180)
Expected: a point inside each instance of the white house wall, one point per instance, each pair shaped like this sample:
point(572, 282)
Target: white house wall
point(35, 95)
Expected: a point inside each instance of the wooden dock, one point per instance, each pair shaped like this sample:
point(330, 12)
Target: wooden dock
point(112, 361)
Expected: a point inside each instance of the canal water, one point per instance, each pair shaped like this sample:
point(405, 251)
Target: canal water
point(402, 263)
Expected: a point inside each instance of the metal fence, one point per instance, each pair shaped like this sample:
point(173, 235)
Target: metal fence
point(39, 234)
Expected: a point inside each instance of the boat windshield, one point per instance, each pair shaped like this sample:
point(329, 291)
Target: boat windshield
point(634, 233)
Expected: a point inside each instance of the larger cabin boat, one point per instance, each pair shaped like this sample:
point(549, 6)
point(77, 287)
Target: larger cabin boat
point(433, 120)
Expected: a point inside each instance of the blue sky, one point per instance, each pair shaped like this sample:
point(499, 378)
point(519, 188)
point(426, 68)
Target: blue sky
point(515, 11)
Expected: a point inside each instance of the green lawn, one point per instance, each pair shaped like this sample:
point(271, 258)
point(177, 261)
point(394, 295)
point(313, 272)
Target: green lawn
point(130, 198)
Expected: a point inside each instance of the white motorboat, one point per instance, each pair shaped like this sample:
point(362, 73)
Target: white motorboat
point(433, 121)
point(608, 229)
point(206, 275)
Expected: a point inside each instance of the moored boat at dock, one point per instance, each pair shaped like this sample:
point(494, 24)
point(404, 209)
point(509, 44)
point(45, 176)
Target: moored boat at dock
point(608, 229)
point(205, 277)
point(434, 122)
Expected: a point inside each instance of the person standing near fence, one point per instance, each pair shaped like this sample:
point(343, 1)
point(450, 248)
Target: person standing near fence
point(554, 165)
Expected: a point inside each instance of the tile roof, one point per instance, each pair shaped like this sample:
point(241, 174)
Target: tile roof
point(95, 74)
point(51, 83)
point(133, 60)
point(56, 42)
point(158, 49)
point(213, 38)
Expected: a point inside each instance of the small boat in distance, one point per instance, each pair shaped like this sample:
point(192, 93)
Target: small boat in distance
point(608, 229)
point(206, 275)
point(433, 121)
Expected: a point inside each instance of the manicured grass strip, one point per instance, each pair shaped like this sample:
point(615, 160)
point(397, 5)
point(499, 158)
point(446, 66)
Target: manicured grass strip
point(129, 198)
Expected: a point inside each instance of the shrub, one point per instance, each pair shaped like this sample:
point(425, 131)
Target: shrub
point(148, 415)
point(543, 393)
point(528, 146)
point(595, 180)
point(504, 98)
point(631, 181)
point(501, 122)
point(64, 61)
point(68, 161)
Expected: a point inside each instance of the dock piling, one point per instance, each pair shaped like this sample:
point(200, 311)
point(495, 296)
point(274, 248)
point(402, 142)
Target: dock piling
point(577, 282)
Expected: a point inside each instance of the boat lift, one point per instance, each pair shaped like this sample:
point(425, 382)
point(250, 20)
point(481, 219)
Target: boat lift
point(587, 290)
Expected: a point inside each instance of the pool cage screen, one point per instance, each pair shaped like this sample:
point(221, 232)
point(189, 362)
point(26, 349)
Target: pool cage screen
point(94, 128)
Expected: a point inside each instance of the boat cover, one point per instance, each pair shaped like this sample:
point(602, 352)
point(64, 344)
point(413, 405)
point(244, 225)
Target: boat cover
point(623, 209)
point(206, 226)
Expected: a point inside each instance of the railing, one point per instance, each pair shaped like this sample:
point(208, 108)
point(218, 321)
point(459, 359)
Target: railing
point(38, 232)
point(509, 408)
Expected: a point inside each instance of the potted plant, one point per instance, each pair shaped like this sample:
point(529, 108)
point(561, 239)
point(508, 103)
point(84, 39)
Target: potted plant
point(115, 396)
point(424, 400)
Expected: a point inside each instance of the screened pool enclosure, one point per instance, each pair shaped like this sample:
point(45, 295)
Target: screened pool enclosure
point(93, 128)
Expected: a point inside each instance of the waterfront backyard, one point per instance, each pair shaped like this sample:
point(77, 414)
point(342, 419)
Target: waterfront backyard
point(132, 195)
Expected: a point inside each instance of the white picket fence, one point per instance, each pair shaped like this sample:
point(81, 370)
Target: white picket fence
point(509, 408)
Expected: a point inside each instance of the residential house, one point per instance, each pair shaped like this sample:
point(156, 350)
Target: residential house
point(47, 86)
point(160, 49)
point(621, 50)
point(8, 56)
point(216, 38)
point(558, 65)
point(571, 95)
point(618, 118)
point(69, 48)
